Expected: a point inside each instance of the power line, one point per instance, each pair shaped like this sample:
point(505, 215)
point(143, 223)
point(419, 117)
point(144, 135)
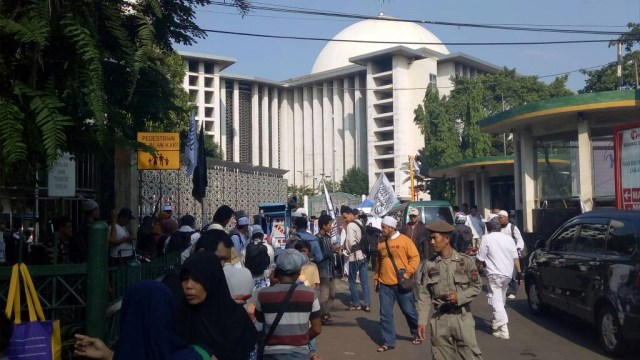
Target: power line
point(288, 37)
point(297, 10)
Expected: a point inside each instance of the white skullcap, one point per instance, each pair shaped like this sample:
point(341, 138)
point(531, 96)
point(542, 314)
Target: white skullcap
point(389, 221)
point(503, 213)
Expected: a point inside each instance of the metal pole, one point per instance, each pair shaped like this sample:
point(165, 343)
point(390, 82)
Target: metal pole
point(97, 284)
point(504, 135)
point(635, 65)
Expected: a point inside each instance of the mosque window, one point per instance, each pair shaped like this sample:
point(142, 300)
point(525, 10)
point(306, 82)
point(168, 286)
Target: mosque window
point(229, 120)
point(433, 79)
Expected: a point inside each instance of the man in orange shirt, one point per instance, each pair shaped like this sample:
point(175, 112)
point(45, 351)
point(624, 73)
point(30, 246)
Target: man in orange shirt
point(406, 257)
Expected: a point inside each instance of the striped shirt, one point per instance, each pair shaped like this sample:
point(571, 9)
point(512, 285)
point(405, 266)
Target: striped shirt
point(291, 334)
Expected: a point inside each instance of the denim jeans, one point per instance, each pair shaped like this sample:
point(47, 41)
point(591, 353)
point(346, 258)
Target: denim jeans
point(355, 267)
point(389, 294)
point(313, 346)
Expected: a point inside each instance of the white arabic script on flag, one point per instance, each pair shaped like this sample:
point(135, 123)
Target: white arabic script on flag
point(382, 195)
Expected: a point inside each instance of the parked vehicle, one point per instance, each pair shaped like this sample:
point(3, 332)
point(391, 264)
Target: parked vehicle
point(590, 268)
point(429, 211)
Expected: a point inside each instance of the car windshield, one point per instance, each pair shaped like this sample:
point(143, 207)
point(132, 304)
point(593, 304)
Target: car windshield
point(430, 214)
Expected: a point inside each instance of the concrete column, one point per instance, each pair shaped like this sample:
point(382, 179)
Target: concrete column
point(464, 190)
point(327, 128)
point(223, 118)
point(298, 140)
point(255, 126)
point(365, 135)
point(264, 131)
point(217, 118)
point(275, 128)
point(308, 136)
point(349, 133)
point(317, 131)
point(585, 163)
point(527, 155)
point(236, 121)
point(338, 132)
point(458, 191)
point(403, 125)
point(517, 172)
point(477, 196)
point(484, 206)
point(360, 137)
point(285, 136)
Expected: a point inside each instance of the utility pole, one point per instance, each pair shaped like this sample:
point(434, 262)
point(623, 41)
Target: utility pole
point(619, 67)
point(413, 193)
point(504, 135)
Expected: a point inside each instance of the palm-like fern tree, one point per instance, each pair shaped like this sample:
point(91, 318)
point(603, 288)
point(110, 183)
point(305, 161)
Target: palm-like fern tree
point(78, 75)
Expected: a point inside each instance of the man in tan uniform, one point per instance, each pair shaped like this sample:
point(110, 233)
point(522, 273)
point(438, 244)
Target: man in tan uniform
point(449, 281)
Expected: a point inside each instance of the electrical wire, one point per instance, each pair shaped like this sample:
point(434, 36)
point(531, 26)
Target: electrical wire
point(501, 43)
point(298, 10)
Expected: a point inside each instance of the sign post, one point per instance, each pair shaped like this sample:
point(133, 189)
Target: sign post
point(167, 156)
point(626, 140)
point(62, 177)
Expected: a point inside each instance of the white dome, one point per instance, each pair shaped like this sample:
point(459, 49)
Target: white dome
point(336, 54)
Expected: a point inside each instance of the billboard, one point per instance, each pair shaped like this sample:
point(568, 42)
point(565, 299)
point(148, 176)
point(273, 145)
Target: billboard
point(627, 160)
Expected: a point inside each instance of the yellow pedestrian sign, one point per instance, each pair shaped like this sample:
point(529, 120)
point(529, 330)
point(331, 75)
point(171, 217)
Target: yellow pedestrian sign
point(167, 155)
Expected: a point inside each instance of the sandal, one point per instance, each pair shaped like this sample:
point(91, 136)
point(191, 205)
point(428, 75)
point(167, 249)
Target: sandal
point(327, 320)
point(416, 341)
point(384, 348)
point(315, 357)
point(353, 308)
point(366, 308)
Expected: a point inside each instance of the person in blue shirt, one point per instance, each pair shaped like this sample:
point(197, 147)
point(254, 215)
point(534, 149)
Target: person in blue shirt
point(302, 225)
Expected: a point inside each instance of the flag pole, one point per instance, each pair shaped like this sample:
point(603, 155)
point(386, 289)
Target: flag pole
point(411, 170)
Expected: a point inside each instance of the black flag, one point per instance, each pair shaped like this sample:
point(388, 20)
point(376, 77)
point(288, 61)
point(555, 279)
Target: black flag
point(200, 172)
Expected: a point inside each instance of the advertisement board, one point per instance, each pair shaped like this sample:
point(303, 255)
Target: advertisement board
point(627, 161)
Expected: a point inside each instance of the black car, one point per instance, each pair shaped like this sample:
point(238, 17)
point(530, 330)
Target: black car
point(590, 268)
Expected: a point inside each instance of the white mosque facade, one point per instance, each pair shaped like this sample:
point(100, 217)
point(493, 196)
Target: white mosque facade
point(355, 108)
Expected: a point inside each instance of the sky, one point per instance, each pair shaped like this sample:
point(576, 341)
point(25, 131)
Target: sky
point(279, 59)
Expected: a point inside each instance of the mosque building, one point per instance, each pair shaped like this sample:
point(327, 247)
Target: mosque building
point(354, 109)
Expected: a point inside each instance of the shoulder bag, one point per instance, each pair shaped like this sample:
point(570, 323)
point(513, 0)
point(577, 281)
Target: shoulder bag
point(403, 283)
point(276, 321)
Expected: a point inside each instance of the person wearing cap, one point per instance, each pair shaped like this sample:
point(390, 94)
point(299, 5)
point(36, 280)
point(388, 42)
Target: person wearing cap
point(498, 254)
point(463, 234)
point(168, 208)
point(358, 264)
point(514, 233)
point(292, 334)
point(257, 236)
point(121, 244)
point(448, 282)
point(416, 231)
point(91, 212)
point(240, 234)
point(387, 284)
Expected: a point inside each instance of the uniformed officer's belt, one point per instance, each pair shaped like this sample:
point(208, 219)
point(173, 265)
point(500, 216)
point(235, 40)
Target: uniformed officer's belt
point(452, 309)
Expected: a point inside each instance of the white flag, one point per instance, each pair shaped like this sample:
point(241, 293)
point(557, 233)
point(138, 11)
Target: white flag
point(382, 195)
point(331, 212)
point(191, 148)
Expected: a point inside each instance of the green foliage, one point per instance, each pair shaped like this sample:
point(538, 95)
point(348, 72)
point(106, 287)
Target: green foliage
point(300, 192)
point(212, 149)
point(606, 77)
point(84, 76)
point(355, 181)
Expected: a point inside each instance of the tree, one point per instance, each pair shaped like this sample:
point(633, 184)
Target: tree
point(84, 76)
point(355, 181)
point(212, 149)
point(442, 143)
point(300, 192)
point(606, 77)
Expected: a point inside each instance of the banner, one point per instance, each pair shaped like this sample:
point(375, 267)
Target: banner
point(382, 195)
point(191, 149)
point(200, 172)
point(331, 212)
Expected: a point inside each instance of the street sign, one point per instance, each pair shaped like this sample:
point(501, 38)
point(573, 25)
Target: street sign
point(167, 156)
point(278, 236)
point(627, 151)
point(62, 177)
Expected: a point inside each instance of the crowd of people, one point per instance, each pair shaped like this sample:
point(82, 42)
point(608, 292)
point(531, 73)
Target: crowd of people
point(239, 296)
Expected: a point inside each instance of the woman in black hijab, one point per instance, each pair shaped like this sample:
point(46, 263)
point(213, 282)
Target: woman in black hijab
point(207, 315)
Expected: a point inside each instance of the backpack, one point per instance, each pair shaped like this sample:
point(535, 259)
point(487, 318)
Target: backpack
point(368, 240)
point(179, 242)
point(523, 253)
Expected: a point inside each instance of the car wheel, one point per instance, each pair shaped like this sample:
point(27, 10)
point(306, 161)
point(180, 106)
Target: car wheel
point(610, 332)
point(536, 305)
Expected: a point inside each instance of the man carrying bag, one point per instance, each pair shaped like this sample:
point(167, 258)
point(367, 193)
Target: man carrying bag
point(398, 260)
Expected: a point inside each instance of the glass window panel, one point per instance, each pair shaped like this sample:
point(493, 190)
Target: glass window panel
point(622, 240)
point(564, 240)
point(557, 173)
point(591, 239)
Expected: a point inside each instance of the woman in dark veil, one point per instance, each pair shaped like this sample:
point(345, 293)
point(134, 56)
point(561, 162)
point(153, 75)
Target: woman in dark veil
point(147, 321)
point(207, 315)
